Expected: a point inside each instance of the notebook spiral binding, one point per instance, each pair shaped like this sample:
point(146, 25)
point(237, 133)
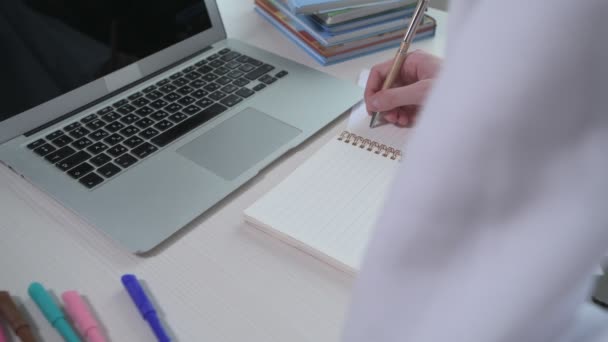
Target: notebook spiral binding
point(370, 145)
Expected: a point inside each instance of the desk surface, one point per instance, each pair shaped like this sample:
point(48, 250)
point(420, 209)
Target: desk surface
point(218, 279)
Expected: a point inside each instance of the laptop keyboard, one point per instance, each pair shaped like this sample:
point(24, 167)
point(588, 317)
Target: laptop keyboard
point(104, 144)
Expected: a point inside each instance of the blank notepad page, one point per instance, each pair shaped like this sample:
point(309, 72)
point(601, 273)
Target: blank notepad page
point(328, 206)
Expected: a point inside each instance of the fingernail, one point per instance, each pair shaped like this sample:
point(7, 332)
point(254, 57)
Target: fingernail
point(375, 104)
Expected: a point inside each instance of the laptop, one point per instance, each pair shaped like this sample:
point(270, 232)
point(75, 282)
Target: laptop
point(141, 115)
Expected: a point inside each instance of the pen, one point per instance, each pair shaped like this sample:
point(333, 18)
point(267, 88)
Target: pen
point(9, 311)
point(52, 312)
point(144, 306)
point(401, 54)
point(83, 320)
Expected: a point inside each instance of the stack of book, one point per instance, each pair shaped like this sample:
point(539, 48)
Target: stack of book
point(332, 31)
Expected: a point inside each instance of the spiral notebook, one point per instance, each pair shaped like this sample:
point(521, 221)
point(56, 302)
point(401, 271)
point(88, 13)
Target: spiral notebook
point(328, 206)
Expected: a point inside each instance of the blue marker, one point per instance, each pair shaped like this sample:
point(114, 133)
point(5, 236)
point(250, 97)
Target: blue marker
point(144, 306)
point(52, 312)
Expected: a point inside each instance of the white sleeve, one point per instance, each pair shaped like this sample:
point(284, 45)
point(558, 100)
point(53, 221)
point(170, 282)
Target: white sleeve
point(498, 215)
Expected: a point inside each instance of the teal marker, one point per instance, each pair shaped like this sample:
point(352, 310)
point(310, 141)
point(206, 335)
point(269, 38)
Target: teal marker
point(52, 312)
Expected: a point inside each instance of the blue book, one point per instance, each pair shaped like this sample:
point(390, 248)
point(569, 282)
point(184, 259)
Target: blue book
point(314, 6)
point(323, 60)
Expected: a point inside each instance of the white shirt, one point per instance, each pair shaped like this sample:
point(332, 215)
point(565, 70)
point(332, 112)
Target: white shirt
point(499, 212)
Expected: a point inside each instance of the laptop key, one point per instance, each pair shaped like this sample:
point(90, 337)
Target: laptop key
point(185, 90)
point(133, 141)
point(221, 71)
point(36, 143)
point(193, 75)
point(135, 96)
point(125, 160)
point(231, 100)
point(149, 89)
point(163, 125)
point(98, 134)
point(144, 150)
point(110, 117)
point(186, 100)
point(232, 65)
point(230, 56)
point(204, 102)
point(224, 51)
point(148, 133)
point(97, 147)
point(191, 110)
point(255, 74)
point(72, 126)
point(155, 95)
point(246, 67)
point(188, 125)
point(218, 95)
point(79, 132)
point(174, 107)
point(159, 115)
point(105, 110)
point(115, 126)
point(91, 180)
point(144, 111)
point(205, 69)
point(281, 74)
point(267, 79)
point(178, 117)
point(126, 109)
point(45, 149)
point(200, 63)
point(176, 75)
point(100, 159)
point(199, 94)
point(163, 82)
point(62, 141)
point(129, 131)
point(216, 63)
point(82, 143)
point(210, 77)
point(95, 124)
point(180, 82)
point(167, 88)
point(73, 160)
point(212, 87)
point(60, 154)
point(244, 92)
point(259, 87)
point(236, 74)
point(140, 102)
point(172, 97)
point(109, 170)
point(131, 118)
point(188, 69)
point(88, 118)
point(54, 135)
point(158, 104)
point(223, 80)
point(113, 139)
point(80, 170)
point(197, 83)
point(214, 56)
point(230, 88)
point(117, 150)
point(120, 103)
point(241, 82)
point(144, 123)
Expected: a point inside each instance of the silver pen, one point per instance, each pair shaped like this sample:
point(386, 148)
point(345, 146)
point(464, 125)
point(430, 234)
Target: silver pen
point(401, 54)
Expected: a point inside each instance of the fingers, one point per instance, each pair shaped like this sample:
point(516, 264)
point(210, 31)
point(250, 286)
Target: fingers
point(376, 78)
point(390, 99)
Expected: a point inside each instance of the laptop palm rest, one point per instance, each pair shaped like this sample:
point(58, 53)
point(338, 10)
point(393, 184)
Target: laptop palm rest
point(237, 144)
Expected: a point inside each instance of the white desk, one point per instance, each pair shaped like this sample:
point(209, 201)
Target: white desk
point(219, 279)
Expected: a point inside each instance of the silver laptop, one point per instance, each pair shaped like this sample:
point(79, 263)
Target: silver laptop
point(139, 116)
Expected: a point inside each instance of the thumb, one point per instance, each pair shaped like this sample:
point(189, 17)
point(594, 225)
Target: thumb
point(386, 100)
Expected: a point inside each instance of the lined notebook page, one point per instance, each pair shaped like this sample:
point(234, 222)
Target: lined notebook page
point(328, 206)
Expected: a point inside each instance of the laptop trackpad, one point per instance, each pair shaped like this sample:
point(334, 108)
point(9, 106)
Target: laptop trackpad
point(235, 145)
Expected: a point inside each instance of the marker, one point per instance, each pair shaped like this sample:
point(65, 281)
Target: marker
point(144, 306)
point(52, 312)
point(2, 336)
point(13, 317)
point(83, 320)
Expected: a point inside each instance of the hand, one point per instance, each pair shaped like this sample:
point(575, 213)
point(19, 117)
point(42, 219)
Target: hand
point(401, 103)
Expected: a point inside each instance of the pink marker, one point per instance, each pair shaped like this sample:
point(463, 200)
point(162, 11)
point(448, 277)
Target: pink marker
point(81, 316)
point(2, 336)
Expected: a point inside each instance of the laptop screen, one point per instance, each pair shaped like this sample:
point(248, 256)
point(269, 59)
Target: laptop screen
point(50, 47)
